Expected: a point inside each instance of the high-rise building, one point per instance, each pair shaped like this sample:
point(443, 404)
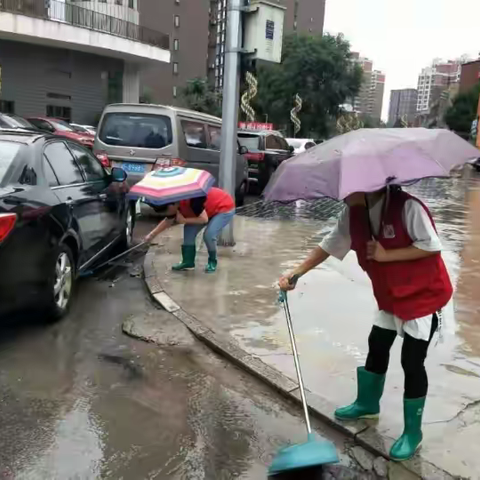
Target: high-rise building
point(403, 105)
point(369, 100)
point(470, 75)
point(434, 80)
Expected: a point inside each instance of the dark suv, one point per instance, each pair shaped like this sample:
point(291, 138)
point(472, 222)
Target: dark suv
point(266, 150)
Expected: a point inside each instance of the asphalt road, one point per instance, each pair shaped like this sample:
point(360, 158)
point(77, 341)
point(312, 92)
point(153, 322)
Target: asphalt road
point(81, 400)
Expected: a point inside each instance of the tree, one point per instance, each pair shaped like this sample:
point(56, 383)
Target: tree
point(463, 112)
point(318, 68)
point(199, 95)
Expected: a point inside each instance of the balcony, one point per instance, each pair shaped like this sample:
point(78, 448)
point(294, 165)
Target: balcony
point(69, 25)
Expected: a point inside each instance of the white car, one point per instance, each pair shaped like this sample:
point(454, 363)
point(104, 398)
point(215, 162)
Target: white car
point(83, 128)
point(301, 144)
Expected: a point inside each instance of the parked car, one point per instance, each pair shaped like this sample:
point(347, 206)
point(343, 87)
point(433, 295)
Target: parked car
point(10, 121)
point(62, 128)
point(139, 137)
point(300, 145)
point(60, 212)
point(266, 151)
point(84, 128)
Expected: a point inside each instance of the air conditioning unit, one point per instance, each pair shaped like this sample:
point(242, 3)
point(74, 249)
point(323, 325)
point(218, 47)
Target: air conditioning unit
point(264, 30)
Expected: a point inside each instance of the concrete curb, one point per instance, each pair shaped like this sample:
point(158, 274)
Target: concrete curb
point(360, 432)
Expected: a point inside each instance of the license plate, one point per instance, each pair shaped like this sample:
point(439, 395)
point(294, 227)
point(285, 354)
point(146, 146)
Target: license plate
point(133, 167)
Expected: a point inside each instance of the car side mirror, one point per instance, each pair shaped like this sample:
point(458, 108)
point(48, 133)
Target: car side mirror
point(118, 174)
point(291, 149)
point(242, 150)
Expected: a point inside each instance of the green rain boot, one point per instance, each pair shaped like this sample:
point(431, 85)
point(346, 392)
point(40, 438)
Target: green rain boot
point(369, 391)
point(406, 446)
point(188, 259)
point(212, 263)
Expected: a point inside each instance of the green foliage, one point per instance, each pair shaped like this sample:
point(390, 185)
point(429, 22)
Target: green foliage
point(320, 70)
point(199, 95)
point(463, 112)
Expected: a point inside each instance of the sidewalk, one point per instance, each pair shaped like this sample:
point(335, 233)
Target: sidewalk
point(237, 313)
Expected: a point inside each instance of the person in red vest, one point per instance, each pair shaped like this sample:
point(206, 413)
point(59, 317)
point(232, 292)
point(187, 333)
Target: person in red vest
point(396, 243)
point(212, 212)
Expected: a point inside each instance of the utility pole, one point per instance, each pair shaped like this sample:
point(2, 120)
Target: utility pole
point(231, 90)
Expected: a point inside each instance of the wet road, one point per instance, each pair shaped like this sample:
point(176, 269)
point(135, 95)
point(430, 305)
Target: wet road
point(81, 400)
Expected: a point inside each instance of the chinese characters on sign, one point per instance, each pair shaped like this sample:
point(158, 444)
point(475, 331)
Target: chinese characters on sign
point(255, 126)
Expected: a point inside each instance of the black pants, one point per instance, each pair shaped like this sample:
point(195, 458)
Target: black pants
point(414, 353)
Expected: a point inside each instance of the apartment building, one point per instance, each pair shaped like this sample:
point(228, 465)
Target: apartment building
point(369, 101)
point(68, 59)
point(434, 80)
point(403, 105)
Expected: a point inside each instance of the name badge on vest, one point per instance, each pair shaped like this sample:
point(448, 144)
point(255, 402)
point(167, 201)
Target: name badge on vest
point(388, 231)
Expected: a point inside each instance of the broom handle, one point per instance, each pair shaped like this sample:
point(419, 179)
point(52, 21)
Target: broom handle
point(118, 257)
point(296, 360)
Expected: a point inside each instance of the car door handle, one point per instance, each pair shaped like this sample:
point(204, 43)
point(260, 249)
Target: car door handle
point(102, 196)
point(69, 201)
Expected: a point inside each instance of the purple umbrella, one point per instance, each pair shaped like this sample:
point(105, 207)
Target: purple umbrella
point(366, 160)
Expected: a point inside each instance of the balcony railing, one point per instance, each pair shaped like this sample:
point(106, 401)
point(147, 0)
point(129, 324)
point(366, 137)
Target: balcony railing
point(70, 13)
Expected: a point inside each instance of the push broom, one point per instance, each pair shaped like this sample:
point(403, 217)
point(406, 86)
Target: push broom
point(313, 452)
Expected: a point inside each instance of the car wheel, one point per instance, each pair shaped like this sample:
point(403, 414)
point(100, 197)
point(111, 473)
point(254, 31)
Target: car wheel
point(240, 195)
point(127, 234)
point(62, 283)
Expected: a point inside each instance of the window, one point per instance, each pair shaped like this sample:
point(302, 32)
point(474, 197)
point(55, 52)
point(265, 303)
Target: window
point(194, 134)
point(118, 2)
point(63, 164)
point(176, 44)
point(174, 92)
point(50, 176)
point(249, 140)
point(273, 143)
point(136, 130)
point(215, 137)
point(131, 3)
point(175, 68)
point(7, 106)
point(41, 124)
point(91, 166)
point(176, 20)
point(55, 111)
point(8, 152)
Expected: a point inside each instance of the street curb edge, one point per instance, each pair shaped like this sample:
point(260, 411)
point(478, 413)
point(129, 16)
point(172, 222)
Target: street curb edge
point(361, 432)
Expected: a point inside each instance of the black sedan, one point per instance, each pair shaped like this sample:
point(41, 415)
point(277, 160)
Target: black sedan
point(60, 211)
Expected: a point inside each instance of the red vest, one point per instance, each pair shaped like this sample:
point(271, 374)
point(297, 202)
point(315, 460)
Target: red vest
point(411, 289)
point(218, 201)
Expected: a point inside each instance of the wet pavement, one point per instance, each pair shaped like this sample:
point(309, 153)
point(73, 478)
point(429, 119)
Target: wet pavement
point(332, 310)
point(81, 400)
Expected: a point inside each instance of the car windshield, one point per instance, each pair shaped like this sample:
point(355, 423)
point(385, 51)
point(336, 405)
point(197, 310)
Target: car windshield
point(8, 152)
point(249, 140)
point(136, 130)
point(61, 126)
point(19, 121)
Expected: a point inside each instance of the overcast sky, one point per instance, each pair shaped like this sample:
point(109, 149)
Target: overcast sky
point(403, 36)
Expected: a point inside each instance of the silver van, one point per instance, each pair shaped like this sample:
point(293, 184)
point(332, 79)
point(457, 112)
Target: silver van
point(135, 137)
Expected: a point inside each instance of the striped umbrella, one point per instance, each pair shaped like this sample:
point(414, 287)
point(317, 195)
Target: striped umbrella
point(172, 184)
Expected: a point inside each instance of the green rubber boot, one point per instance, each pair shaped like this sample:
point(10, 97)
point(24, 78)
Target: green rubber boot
point(406, 446)
point(369, 391)
point(212, 263)
point(188, 259)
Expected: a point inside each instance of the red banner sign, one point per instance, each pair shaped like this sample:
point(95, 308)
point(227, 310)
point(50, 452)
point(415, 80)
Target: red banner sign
point(255, 126)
